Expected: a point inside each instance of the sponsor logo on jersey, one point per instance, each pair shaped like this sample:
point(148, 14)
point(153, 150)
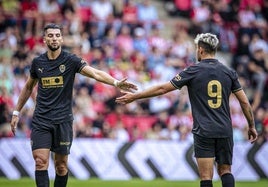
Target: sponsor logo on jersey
point(52, 82)
point(40, 70)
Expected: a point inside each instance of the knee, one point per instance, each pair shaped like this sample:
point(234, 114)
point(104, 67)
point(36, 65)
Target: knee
point(224, 169)
point(61, 168)
point(41, 162)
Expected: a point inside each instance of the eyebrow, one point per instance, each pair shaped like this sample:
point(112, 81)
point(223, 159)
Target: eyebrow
point(54, 33)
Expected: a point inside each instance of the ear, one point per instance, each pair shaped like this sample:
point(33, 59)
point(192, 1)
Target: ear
point(200, 50)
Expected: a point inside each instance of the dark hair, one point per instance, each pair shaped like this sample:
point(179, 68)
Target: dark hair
point(52, 26)
point(207, 48)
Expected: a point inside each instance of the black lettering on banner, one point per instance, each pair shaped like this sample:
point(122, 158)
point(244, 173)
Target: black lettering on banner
point(124, 161)
point(251, 158)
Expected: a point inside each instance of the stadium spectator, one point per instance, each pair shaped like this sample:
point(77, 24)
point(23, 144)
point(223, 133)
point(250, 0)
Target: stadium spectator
point(102, 14)
point(258, 70)
point(140, 41)
point(29, 11)
point(49, 11)
point(147, 15)
point(124, 40)
point(130, 14)
point(200, 18)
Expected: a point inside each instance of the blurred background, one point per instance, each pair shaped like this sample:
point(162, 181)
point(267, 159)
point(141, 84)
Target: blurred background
point(149, 42)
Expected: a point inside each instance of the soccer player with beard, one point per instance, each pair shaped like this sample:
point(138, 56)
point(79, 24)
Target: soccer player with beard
point(54, 72)
point(209, 84)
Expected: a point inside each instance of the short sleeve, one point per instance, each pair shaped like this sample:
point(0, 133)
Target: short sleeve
point(82, 63)
point(236, 86)
point(183, 78)
point(32, 70)
point(79, 63)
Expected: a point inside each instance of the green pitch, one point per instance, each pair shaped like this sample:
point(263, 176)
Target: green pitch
point(130, 183)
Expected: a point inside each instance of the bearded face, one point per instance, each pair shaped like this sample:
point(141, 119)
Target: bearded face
point(53, 39)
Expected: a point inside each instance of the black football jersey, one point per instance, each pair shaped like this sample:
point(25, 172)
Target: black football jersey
point(55, 85)
point(209, 84)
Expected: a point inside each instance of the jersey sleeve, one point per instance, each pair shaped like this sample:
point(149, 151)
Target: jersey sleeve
point(183, 78)
point(32, 70)
point(79, 63)
point(82, 64)
point(236, 84)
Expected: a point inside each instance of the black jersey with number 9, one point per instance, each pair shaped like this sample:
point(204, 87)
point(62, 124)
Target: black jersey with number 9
point(209, 84)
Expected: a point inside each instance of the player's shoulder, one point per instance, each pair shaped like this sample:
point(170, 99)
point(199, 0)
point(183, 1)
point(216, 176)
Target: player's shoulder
point(192, 67)
point(69, 55)
point(66, 54)
point(227, 70)
point(40, 58)
point(226, 67)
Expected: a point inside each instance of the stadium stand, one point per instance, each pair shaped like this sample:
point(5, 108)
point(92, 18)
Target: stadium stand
point(140, 40)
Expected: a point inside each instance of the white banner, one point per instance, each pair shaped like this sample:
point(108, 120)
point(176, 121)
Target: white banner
point(146, 159)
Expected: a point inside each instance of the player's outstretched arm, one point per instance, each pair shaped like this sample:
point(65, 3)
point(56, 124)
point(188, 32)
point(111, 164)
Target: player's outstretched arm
point(104, 77)
point(150, 92)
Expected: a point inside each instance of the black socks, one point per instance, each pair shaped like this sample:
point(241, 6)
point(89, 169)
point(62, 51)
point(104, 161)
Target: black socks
point(206, 183)
point(41, 178)
point(227, 180)
point(61, 181)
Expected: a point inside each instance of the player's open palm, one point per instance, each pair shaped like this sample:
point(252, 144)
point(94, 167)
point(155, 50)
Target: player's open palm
point(125, 99)
point(126, 86)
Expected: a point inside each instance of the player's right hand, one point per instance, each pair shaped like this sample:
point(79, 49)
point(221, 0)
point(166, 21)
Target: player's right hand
point(252, 135)
point(125, 99)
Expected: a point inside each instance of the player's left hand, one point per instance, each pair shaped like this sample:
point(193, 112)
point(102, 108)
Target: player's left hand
point(126, 86)
point(252, 135)
point(125, 99)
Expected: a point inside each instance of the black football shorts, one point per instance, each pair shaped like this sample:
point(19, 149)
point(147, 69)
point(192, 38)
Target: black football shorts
point(220, 148)
point(56, 137)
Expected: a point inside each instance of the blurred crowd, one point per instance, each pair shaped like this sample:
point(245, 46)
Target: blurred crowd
point(126, 38)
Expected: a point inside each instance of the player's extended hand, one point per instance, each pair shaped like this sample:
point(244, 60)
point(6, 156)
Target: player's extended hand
point(14, 123)
point(126, 86)
point(252, 135)
point(125, 99)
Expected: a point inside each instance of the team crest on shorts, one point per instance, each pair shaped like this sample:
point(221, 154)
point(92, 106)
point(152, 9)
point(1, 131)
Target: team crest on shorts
point(62, 68)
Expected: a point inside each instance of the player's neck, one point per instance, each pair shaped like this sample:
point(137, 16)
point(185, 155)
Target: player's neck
point(52, 55)
point(207, 56)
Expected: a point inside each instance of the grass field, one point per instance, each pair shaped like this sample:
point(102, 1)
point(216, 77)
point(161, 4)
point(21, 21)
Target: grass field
point(27, 182)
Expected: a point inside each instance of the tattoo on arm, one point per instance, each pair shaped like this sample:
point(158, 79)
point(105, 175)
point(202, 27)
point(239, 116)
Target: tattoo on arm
point(249, 116)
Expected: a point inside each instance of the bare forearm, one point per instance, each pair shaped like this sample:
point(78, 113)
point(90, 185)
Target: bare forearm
point(104, 77)
point(248, 114)
point(98, 75)
point(151, 92)
point(246, 108)
point(24, 96)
